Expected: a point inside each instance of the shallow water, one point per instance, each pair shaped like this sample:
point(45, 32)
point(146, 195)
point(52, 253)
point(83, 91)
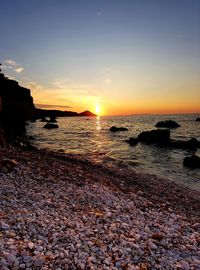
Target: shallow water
point(91, 137)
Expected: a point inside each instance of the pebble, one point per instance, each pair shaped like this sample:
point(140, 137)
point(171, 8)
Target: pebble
point(59, 224)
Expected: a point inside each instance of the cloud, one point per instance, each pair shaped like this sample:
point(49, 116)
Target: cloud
point(34, 86)
point(46, 106)
point(60, 83)
point(19, 69)
point(12, 65)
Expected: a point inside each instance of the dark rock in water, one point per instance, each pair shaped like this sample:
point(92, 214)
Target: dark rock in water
point(155, 136)
point(192, 144)
point(43, 119)
point(50, 126)
point(132, 141)
point(192, 162)
point(167, 124)
point(115, 129)
point(198, 119)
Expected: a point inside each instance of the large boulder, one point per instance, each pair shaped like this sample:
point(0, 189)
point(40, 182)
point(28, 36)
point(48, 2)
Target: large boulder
point(115, 129)
point(50, 126)
point(155, 136)
point(167, 124)
point(192, 162)
point(198, 119)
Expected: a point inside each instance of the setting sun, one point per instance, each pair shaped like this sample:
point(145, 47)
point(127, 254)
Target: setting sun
point(97, 109)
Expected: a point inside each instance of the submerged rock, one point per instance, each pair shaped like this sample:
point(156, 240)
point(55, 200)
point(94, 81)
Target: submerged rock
point(167, 124)
point(50, 126)
point(191, 144)
point(132, 141)
point(155, 136)
point(115, 129)
point(192, 162)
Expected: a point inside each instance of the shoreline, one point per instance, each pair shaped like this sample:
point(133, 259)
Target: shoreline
point(61, 212)
point(183, 199)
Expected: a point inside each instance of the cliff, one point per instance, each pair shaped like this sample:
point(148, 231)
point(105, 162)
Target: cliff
point(16, 106)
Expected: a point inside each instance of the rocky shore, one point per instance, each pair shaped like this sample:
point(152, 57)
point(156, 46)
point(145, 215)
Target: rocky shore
point(61, 212)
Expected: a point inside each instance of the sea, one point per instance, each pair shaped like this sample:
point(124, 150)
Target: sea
point(91, 139)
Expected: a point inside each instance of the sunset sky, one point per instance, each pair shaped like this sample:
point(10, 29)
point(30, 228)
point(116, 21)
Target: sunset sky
point(115, 56)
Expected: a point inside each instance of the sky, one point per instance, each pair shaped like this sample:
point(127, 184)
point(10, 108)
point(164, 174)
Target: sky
point(113, 57)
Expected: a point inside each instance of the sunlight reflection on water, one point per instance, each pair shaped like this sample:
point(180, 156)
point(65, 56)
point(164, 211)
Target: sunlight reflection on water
point(90, 136)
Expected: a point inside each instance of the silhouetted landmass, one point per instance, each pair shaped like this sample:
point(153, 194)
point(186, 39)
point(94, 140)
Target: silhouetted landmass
point(42, 114)
point(16, 106)
point(87, 113)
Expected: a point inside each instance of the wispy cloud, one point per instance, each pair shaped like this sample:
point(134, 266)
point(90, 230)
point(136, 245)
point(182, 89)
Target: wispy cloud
point(10, 62)
point(19, 69)
point(46, 106)
point(12, 65)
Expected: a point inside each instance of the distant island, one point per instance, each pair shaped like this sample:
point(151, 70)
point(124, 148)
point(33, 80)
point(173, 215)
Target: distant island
point(41, 113)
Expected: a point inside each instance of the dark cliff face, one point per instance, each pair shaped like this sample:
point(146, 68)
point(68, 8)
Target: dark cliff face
point(16, 106)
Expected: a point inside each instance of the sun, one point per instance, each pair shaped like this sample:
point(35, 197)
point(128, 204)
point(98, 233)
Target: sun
point(97, 109)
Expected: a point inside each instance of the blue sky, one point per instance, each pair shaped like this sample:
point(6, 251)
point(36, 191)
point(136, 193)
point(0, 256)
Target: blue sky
point(87, 53)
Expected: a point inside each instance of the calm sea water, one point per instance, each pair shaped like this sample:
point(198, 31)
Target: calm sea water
point(91, 138)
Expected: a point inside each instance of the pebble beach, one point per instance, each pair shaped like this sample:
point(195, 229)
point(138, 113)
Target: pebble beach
point(62, 212)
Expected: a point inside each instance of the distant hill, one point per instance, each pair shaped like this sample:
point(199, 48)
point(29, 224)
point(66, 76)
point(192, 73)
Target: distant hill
point(41, 113)
point(87, 113)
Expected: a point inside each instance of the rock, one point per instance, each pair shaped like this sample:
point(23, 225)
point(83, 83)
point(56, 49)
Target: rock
point(132, 141)
point(50, 126)
point(155, 136)
point(192, 162)
point(9, 163)
point(38, 262)
point(4, 226)
point(10, 258)
point(115, 129)
point(16, 106)
point(198, 119)
point(167, 124)
point(192, 144)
